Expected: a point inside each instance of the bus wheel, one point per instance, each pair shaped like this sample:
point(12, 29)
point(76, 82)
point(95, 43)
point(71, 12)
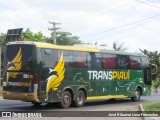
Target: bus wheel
point(137, 95)
point(36, 103)
point(66, 99)
point(80, 99)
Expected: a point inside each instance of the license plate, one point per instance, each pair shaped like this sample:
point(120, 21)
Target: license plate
point(16, 94)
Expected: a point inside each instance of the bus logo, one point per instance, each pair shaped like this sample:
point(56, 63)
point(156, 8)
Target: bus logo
point(54, 81)
point(108, 75)
point(14, 65)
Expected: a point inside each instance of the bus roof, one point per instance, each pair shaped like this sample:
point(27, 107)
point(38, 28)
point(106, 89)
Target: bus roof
point(122, 53)
point(76, 48)
point(48, 45)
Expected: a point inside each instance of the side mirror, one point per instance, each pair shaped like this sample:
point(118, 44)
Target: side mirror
point(154, 71)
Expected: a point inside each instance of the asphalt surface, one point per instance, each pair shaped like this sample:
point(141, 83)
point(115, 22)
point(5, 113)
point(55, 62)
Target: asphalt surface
point(103, 105)
point(121, 105)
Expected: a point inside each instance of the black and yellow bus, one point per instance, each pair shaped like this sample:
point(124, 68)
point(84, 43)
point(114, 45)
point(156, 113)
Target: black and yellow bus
point(45, 73)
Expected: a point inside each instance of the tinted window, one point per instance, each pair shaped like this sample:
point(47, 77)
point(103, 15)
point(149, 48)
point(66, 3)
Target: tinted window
point(98, 60)
point(19, 57)
point(122, 62)
point(67, 58)
point(22, 52)
point(81, 59)
point(109, 61)
point(49, 57)
point(135, 63)
point(145, 62)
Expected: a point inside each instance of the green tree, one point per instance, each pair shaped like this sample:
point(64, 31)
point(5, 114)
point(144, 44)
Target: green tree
point(118, 47)
point(153, 56)
point(28, 35)
point(154, 59)
point(39, 37)
point(2, 47)
point(65, 38)
point(2, 42)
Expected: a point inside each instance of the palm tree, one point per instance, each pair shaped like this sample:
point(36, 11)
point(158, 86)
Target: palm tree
point(118, 47)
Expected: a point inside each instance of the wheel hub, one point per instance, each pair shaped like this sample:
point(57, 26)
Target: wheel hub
point(80, 99)
point(66, 99)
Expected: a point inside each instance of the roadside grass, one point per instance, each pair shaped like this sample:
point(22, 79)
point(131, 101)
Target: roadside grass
point(151, 106)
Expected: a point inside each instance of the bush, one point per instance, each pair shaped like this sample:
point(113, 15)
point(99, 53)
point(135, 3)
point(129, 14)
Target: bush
point(155, 84)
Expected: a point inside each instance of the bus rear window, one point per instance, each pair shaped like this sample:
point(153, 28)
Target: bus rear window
point(19, 53)
point(19, 58)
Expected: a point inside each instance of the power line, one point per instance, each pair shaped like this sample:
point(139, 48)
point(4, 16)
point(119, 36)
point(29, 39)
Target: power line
point(97, 13)
point(122, 26)
point(153, 1)
point(81, 17)
point(148, 4)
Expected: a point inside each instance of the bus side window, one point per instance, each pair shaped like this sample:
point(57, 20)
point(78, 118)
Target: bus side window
point(122, 62)
point(145, 62)
point(49, 57)
point(98, 60)
point(48, 51)
point(80, 59)
point(67, 58)
point(109, 61)
point(135, 63)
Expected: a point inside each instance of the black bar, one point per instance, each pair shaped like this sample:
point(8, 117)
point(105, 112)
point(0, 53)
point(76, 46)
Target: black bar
point(79, 114)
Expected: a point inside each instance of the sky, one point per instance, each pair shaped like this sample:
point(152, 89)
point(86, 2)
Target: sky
point(136, 23)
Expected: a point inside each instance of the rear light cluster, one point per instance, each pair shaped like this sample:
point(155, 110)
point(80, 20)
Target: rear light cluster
point(35, 82)
point(35, 78)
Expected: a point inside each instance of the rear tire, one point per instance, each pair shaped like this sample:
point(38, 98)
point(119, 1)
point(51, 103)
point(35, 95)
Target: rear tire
point(66, 99)
point(79, 99)
point(137, 95)
point(36, 104)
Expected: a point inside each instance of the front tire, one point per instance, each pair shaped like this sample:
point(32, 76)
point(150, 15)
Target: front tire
point(66, 99)
point(137, 95)
point(79, 99)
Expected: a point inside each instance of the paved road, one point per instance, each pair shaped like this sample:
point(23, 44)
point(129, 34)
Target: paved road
point(117, 105)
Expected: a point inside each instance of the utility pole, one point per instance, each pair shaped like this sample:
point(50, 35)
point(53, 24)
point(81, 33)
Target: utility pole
point(54, 30)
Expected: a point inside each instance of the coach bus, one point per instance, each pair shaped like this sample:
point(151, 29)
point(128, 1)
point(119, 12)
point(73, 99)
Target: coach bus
point(44, 73)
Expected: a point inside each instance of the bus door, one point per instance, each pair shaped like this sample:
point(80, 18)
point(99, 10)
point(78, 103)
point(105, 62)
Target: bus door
point(146, 70)
point(19, 68)
point(48, 60)
point(147, 76)
point(154, 71)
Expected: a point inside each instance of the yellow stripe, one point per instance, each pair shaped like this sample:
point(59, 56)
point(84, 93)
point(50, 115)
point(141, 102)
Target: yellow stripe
point(22, 96)
point(106, 97)
point(17, 56)
point(47, 45)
